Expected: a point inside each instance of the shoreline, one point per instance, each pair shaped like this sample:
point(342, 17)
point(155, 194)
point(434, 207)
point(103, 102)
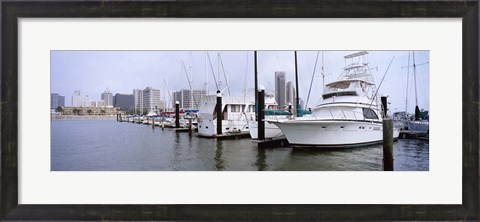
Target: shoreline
point(84, 117)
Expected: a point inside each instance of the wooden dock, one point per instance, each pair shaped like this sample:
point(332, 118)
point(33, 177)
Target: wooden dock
point(238, 135)
point(271, 143)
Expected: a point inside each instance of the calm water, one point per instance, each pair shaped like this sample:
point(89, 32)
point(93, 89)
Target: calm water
point(105, 145)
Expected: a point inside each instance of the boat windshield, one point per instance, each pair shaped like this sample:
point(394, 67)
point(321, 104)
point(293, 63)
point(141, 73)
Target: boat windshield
point(369, 114)
point(341, 88)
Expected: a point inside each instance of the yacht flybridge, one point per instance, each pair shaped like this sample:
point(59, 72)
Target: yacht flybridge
point(350, 113)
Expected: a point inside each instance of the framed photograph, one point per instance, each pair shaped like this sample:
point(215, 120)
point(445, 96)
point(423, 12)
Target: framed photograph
point(239, 110)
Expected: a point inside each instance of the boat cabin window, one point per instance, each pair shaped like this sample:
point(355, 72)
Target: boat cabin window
point(326, 96)
point(369, 114)
point(339, 85)
point(236, 108)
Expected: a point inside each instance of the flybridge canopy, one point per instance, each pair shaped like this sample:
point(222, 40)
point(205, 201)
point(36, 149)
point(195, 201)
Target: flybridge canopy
point(348, 81)
point(355, 54)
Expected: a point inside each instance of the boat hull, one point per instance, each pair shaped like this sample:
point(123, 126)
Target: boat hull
point(337, 134)
point(208, 128)
point(271, 130)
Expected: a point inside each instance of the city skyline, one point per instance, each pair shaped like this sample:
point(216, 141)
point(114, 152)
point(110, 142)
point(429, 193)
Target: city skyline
point(122, 71)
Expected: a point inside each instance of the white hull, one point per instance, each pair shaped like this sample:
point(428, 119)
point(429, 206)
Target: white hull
point(332, 133)
point(271, 130)
point(208, 128)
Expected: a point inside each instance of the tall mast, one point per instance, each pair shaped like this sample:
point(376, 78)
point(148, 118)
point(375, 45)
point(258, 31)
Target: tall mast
point(296, 83)
point(415, 78)
point(408, 77)
point(181, 86)
point(206, 75)
point(417, 110)
point(190, 82)
point(256, 83)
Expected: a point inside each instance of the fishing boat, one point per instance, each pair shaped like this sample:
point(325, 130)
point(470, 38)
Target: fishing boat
point(236, 111)
point(350, 113)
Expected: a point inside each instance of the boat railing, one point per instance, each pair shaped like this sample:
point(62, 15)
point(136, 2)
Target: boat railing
point(342, 115)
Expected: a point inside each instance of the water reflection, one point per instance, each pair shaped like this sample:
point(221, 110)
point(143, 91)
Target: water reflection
point(219, 162)
point(95, 145)
point(260, 163)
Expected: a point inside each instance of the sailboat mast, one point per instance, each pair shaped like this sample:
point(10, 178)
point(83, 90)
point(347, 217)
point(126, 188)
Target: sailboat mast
point(245, 81)
point(296, 85)
point(415, 79)
point(417, 110)
point(256, 84)
point(190, 83)
point(181, 85)
point(408, 77)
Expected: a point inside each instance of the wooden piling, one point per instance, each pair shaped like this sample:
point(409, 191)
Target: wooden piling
point(261, 115)
point(388, 144)
point(177, 114)
point(385, 105)
point(153, 123)
point(219, 113)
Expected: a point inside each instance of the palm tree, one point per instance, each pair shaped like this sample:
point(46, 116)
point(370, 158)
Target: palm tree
point(76, 111)
point(102, 112)
point(59, 110)
point(89, 112)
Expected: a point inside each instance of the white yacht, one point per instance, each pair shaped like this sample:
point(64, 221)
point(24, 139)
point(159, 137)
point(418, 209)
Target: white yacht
point(236, 111)
point(271, 113)
point(350, 113)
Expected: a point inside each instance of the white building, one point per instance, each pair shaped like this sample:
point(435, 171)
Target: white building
point(151, 99)
point(189, 99)
point(138, 100)
point(147, 100)
point(107, 96)
point(79, 101)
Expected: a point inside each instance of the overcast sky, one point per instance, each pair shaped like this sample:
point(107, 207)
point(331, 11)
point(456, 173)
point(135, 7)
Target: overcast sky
point(92, 72)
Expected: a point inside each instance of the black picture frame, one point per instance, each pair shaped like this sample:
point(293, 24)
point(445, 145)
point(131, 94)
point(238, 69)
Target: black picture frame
point(466, 9)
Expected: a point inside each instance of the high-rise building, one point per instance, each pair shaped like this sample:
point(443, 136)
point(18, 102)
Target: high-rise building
point(80, 101)
point(138, 100)
point(290, 97)
point(189, 99)
point(280, 88)
point(151, 99)
point(56, 100)
point(124, 101)
point(107, 96)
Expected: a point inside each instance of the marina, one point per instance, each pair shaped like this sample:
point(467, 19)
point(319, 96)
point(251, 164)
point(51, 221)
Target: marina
point(108, 145)
point(349, 126)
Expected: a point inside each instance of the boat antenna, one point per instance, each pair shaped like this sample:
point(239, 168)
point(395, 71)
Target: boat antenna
point(380, 85)
point(224, 75)
point(323, 73)
point(313, 75)
point(213, 72)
